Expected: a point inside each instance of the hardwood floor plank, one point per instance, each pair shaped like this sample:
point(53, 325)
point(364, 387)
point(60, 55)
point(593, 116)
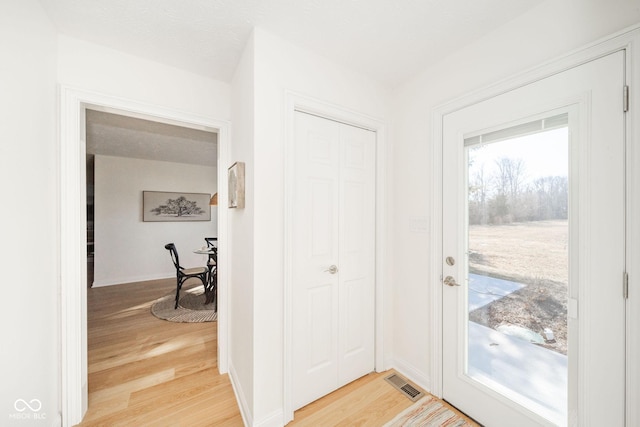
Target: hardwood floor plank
point(98, 394)
point(181, 359)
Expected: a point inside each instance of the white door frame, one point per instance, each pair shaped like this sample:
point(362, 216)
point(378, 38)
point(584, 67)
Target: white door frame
point(297, 102)
point(628, 40)
point(72, 233)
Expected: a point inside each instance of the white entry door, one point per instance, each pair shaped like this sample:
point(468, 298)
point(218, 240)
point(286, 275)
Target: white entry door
point(534, 252)
point(333, 256)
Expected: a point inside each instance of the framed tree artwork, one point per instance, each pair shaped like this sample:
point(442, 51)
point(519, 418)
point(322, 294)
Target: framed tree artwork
point(167, 206)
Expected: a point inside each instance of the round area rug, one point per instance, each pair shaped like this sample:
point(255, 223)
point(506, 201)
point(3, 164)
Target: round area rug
point(191, 307)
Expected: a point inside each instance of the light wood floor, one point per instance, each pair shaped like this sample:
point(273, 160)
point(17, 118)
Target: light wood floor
point(146, 371)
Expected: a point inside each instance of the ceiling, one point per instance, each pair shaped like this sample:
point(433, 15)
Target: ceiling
point(115, 135)
point(388, 40)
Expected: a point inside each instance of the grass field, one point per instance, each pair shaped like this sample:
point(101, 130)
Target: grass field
point(534, 254)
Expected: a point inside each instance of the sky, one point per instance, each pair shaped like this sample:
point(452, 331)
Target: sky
point(544, 154)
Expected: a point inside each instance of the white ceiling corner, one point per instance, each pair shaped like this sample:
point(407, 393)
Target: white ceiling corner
point(388, 40)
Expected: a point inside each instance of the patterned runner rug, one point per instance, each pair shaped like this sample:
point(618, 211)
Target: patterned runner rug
point(428, 412)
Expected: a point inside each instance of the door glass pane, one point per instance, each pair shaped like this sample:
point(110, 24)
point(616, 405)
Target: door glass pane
point(517, 265)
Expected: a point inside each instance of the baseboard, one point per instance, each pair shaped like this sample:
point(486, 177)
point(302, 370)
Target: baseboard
point(245, 411)
point(274, 420)
point(412, 373)
point(130, 279)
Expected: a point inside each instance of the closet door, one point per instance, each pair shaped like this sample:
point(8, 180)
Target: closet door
point(333, 256)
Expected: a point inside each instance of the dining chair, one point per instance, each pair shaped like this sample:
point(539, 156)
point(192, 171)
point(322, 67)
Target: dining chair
point(182, 274)
point(212, 265)
point(212, 242)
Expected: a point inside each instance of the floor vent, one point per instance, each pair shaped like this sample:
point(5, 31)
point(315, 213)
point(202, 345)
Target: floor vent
point(408, 389)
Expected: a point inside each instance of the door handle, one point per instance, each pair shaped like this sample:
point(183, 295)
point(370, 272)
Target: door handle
point(450, 281)
point(332, 270)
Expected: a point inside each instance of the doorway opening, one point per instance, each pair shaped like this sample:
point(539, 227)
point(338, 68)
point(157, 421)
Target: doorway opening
point(127, 156)
point(73, 231)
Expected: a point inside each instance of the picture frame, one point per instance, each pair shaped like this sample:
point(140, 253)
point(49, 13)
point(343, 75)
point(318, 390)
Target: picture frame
point(166, 206)
point(236, 185)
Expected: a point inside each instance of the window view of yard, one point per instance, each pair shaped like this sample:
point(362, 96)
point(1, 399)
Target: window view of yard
point(518, 232)
point(533, 254)
point(518, 263)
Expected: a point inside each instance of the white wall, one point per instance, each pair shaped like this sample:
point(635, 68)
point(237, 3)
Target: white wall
point(545, 32)
point(92, 67)
point(282, 66)
point(240, 238)
point(90, 71)
point(130, 250)
point(279, 66)
point(29, 351)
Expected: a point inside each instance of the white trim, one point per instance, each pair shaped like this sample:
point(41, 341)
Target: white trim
point(627, 39)
point(130, 279)
point(297, 102)
point(73, 319)
point(224, 146)
point(243, 405)
point(412, 373)
point(436, 255)
point(73, 286)
point(273, 420)
point(632, 119)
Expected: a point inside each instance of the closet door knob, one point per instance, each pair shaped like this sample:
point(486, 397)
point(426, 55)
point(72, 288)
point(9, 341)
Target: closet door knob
point(333, 269)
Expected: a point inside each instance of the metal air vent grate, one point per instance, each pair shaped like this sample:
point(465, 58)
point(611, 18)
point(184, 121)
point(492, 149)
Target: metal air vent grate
point(408, 389)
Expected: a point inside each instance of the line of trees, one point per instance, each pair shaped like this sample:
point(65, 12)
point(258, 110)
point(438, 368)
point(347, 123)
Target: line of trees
point(505, 195)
